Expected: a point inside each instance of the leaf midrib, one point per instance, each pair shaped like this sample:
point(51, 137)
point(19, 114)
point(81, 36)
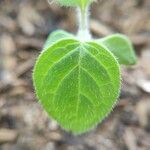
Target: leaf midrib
point(79, 72)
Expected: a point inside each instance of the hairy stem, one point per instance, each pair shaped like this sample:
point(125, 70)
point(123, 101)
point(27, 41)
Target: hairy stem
point(83, 19)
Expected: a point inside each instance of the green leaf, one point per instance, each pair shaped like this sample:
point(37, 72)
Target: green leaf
point(56, 36)
point(121, 47)
point(80, 3)
point(77, 83)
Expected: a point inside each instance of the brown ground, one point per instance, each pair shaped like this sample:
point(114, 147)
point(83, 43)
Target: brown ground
point(24, 125)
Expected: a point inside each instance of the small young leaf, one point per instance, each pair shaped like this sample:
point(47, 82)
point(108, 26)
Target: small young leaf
point(121, 47)
point(80, 3)
point(77, 83)
point(56, 36)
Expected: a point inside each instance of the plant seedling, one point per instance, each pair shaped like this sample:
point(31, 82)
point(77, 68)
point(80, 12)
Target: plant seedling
point(77, 78)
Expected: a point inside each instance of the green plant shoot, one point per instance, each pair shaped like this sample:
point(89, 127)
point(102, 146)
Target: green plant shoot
point(76, 78)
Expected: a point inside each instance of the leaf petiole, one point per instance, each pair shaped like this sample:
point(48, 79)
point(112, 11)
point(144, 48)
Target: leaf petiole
point(83, 19)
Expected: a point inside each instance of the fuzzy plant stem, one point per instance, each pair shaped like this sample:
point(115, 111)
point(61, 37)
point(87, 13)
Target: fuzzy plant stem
point(83, 20)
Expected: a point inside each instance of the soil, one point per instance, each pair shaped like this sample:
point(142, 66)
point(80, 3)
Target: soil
point(24, 25)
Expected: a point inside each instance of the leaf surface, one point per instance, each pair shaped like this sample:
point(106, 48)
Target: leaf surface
point(56, 36)
point(77, 83)
point(121, 47)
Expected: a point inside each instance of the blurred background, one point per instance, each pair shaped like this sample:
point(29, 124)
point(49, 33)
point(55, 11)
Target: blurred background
point(24, 25)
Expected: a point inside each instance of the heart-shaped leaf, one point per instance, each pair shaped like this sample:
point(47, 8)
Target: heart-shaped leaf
point(77, 83)
point(121, 47)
